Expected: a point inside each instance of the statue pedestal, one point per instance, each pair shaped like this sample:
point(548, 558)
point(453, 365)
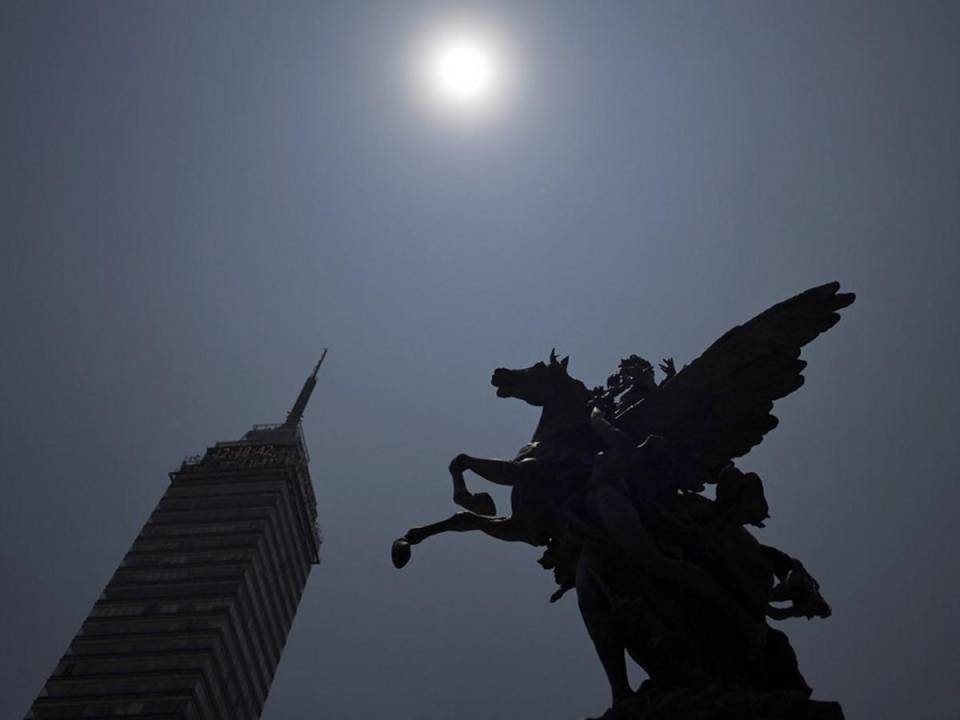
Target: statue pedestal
point(661, 703)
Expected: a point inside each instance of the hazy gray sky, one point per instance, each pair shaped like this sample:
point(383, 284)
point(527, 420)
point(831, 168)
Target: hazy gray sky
point(196, 198)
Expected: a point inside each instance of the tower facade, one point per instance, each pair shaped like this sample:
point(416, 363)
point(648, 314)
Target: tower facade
point(193, 622)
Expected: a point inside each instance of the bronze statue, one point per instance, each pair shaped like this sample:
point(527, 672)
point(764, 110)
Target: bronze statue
point(610, 485)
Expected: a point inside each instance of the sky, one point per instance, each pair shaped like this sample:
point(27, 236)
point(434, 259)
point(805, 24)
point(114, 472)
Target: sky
point(196, 198)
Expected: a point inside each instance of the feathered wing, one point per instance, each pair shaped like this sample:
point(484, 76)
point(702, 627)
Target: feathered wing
point(721, 404)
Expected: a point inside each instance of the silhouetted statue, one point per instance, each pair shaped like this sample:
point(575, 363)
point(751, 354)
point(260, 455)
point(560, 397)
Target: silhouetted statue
point(611, 486)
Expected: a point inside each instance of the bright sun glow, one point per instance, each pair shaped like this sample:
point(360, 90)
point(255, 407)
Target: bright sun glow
point(462, 71)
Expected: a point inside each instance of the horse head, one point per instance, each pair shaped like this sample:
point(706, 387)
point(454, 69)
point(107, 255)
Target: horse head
point(537, 384)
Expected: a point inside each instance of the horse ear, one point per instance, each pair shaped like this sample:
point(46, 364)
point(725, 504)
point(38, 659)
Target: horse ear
point(553, 356)
point(563, 363)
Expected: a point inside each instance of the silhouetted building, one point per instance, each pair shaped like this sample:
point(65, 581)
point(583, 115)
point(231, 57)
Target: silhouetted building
point(193, 622)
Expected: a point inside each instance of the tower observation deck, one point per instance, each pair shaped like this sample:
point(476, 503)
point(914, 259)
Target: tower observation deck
point(193, 622)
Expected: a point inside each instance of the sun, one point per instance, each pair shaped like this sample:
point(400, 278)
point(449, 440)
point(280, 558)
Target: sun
point(463, 71)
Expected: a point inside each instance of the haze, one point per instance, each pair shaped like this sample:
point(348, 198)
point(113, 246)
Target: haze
point(197, 198)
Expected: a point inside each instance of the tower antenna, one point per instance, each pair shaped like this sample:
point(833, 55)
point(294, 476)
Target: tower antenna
point(296, 412)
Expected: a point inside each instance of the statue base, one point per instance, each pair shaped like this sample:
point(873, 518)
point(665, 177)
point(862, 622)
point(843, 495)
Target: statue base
point(660, 703)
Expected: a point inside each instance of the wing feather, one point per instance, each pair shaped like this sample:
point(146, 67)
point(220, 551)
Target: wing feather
point(721, 404)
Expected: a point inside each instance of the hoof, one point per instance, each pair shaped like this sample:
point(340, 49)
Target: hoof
point(477, 503)
point(400, 553)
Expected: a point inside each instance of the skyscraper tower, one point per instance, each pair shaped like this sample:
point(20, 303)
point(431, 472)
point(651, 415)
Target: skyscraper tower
point(193, 622)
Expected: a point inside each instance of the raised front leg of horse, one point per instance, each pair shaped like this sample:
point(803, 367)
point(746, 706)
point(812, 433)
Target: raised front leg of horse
point(499, 472)
point(501, 528)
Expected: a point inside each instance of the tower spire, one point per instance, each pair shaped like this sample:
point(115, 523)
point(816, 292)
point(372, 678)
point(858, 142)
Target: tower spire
point(296, 412)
